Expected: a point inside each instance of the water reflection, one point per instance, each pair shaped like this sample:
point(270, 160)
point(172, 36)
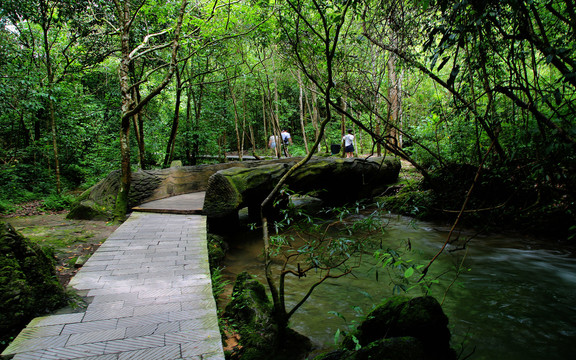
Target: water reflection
point(515, 300)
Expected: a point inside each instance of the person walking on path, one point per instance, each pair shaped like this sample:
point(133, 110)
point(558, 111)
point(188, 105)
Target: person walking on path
point(348, 141)
point(286, 140)
point(274, 144)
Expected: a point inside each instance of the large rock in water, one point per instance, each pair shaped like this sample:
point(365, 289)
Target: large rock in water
point(400, 328)
point(335, 181)
point(28, 283)
point(421, 318)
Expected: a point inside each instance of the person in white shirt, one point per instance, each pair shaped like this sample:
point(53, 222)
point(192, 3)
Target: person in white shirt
point(348, 141)
point(274, 144)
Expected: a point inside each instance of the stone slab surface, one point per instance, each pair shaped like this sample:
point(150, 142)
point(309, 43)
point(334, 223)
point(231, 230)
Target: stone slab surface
point(149, 297)
point(191, 203)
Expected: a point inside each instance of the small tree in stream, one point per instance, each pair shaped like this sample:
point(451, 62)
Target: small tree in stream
point(319, 247)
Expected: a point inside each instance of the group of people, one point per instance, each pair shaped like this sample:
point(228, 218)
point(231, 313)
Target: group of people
point(275, 145)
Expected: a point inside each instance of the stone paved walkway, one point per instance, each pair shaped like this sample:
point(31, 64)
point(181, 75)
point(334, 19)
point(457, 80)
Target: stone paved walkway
point(180, 204)
point(150, 297)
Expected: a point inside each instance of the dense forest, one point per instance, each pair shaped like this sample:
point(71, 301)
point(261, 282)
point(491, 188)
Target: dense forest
point(476, 95)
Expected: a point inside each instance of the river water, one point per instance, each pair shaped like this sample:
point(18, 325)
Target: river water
point(514, 298)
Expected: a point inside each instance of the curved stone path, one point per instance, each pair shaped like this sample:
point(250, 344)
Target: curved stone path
point(150, 297)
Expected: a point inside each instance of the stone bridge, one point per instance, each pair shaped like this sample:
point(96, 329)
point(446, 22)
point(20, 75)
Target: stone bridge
point(97, 202)
point(334, 181)
point(232, 186)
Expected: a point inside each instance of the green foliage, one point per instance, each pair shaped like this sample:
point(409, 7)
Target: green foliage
point(411, 200)
point(452, 140)
point(297, 150)
point(467, 82)
point(24, 182)
point(216, 251)
point(328, 244)
point(402, 271)
point(349, 326)
point(219, 284)
point(56, 202)
point(6, 207)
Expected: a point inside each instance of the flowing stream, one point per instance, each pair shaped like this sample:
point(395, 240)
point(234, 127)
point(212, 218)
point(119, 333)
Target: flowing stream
point(514, 299)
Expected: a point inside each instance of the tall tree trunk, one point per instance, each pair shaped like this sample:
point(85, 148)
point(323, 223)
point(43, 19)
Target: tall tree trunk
point(239, 143)
point(264, 122)
point(394, 105)
point(194, 147)
point(314, 112)
point(50, 77)
point(138, 123)
point(55, 147)
point(377, 100)
point(138, 119)
point(273, 106)
point(189, 126)
point(129, 106)
point(124, 17)
point(244, 137)
point(301, 103)
point(175, 122)
point(343, 122)
point(276, 99)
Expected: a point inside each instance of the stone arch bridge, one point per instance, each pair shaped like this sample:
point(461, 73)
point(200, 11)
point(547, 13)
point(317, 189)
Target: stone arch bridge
point(232, 186)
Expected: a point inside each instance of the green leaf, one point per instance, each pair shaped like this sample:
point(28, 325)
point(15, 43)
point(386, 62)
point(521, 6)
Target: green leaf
point(409, 272)
point(357, 342)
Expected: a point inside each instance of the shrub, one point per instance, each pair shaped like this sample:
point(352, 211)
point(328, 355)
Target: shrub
point(6, 207)
point(56, 202)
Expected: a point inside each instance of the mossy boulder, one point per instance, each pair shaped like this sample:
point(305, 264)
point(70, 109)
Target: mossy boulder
point(420, 318)
point(338, 181)
point(250, 311)
point(28, 283)
point(232, 189)
point(97, 203)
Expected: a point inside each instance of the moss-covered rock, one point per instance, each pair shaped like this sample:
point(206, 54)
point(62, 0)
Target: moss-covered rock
point(396, 348)
point(28, 283)
point(97, 203)
point(420, 318)
point(250, 311)
point(89, 210)
point(231, 189)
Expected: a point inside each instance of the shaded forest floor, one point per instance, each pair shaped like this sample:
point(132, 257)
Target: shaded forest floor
point(69, 239)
